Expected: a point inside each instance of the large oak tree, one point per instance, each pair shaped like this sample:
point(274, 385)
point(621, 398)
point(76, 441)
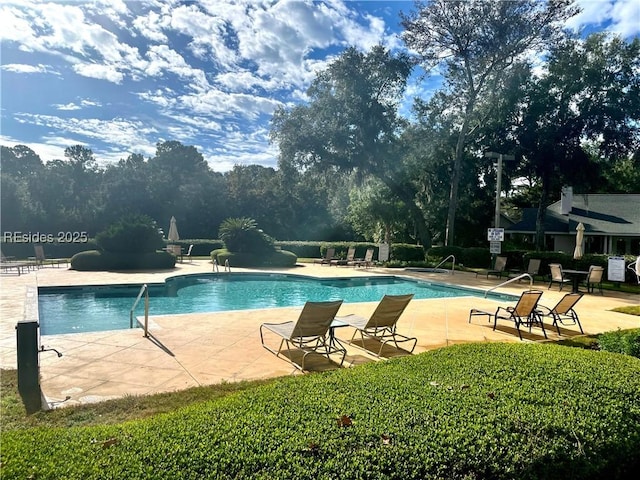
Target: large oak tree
point(474, 43)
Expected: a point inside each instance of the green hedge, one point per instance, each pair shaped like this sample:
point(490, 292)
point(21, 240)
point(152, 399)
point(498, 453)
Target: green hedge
point(499, 411)
point(95, 260)
point(621, 341)
point(279, 259)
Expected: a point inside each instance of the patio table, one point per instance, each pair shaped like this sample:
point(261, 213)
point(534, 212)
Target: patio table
point(575, 277)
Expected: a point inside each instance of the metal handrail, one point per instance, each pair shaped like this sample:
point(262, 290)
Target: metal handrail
point(143, 290)
point(453, 266)
point(519, 277)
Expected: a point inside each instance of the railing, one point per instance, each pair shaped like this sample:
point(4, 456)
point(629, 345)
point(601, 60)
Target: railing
point(511, 280)
point(453, 265)
point(143, 290)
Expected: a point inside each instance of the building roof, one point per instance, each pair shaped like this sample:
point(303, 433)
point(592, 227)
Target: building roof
point(601, 214)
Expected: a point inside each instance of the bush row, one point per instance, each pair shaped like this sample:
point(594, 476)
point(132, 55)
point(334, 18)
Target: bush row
point(277, 259)
point(499, 411)
point(94, 260)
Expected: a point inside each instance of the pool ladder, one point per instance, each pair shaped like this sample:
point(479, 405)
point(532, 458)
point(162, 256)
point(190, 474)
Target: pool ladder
point(511, 280)
point(144, 290)
point(453, 265)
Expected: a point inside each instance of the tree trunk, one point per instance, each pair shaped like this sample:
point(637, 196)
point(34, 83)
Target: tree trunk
point(542, 209)
point(449, 235)
point(455, 179)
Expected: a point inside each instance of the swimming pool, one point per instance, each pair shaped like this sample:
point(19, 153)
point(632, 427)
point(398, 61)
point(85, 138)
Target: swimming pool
point(106, 307)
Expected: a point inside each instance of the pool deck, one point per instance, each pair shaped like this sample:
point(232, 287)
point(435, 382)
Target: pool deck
point(189, 350)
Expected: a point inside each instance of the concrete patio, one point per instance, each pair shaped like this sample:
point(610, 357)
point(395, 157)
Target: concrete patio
point(201, 349)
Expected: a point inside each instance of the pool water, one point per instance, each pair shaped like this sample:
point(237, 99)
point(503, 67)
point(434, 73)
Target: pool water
point(107, 307)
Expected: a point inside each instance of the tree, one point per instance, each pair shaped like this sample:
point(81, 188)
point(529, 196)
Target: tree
point(375, 213)
point(351, 124)
point(475, 43)
point(20, 161)
point(20, 169)
point(181, 184)
point(586, 104)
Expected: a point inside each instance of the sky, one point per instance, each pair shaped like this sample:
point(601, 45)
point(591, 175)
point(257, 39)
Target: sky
point(120, 76)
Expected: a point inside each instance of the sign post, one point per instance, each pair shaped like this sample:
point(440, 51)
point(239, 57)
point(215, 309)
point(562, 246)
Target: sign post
point(615, 269)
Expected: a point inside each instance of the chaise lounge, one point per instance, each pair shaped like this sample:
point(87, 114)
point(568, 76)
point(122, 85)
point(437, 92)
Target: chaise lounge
point(311, 333)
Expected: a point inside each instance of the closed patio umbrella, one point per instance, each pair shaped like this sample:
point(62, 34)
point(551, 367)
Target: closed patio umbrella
point(577, 253)
point(173, 231)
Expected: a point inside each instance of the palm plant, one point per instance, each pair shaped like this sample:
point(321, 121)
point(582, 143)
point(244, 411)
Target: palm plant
point(243, 235)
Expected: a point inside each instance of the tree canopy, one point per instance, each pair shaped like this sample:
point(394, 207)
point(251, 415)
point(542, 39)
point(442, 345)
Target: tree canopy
point(474, 44)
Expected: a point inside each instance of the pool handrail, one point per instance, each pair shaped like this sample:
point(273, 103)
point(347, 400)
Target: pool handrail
point(519, 277)
point(453, 265)
point(143, 290)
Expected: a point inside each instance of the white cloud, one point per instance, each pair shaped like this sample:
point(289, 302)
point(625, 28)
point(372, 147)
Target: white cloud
point(67, 107)
point(23, 68)
point(131, 134)
point(101, 72)
point(618, 16)
point(626, 18)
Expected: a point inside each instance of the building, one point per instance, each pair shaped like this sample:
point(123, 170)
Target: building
point(611, 222)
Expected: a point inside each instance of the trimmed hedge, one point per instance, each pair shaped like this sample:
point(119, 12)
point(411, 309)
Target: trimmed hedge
point(277, 259)
point(94, 260)
point(626, 342)
point(499, 411)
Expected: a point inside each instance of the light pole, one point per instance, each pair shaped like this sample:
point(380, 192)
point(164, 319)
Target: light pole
point(500, 157)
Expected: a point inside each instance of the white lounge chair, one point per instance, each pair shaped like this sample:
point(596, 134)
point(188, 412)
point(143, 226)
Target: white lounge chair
point(381, 326)
point(310, 333)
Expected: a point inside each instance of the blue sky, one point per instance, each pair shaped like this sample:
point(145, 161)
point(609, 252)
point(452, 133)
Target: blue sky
point(119, 76)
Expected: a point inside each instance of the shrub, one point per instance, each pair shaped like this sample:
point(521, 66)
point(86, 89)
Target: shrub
point(94, 260)
point(132, 234)
point(405, 252)
point(243, 235)
point(499, 411)
point(277, 258)
point(621, 341)
point(475, 257)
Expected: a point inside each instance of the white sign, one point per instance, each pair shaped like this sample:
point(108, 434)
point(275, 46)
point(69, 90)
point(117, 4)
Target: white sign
point(495, 247)
point(383, 252)
point(615, 269)
point(495, 234)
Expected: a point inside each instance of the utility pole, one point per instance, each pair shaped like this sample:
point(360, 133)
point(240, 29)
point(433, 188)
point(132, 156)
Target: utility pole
point(500, 157)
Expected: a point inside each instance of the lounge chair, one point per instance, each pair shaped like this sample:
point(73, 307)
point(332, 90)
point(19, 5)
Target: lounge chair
point(563, 313)
point(351, 253)
point(533, 269)
point(524, 312)
point(594, 279)
point(7, 263)
point(635, 268)
point(328, 256)
point(42, 260)
point(381, 326)
point(311, 333)
point(498, 268)
point(188, 254)
point(366, 262)
point(557, 276)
